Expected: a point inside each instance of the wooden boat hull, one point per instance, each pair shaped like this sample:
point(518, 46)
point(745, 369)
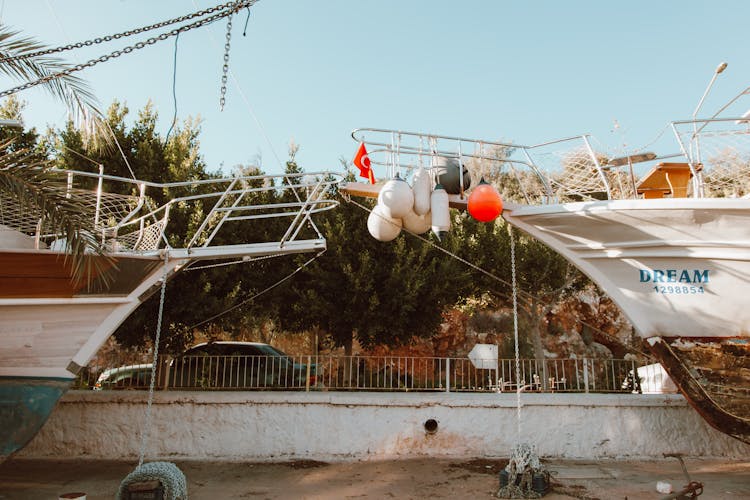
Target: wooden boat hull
point(50, 328)
point(25, 405)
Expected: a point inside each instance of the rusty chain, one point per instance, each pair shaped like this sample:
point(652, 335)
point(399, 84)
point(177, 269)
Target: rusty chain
point(117, 36)
point(221, 11)
point(225, 68)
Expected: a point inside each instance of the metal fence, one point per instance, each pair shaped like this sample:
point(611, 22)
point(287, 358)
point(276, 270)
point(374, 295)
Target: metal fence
point(369, 373)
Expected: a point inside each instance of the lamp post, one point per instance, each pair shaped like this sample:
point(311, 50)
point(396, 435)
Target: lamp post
point(719, 69)
point(11, 123)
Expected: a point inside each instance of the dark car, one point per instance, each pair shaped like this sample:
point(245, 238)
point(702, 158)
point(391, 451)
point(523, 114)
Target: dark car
point(238, 365)
point(125, 377)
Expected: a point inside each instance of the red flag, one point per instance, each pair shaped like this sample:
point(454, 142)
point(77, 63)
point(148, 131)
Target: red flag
point(362, 161)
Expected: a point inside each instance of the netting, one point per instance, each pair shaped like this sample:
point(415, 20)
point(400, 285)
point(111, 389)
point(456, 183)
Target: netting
point(112, 208)
point(725, 156)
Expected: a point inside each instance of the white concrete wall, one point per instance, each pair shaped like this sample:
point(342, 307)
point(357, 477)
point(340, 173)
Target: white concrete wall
point(268, 426)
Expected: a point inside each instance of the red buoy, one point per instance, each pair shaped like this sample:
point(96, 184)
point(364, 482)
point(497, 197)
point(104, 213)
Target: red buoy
point(485, 203)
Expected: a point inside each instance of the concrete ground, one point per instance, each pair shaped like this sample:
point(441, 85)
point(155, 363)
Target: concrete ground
point(403, 479)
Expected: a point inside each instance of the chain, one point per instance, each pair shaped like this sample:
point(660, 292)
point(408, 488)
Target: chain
point(225, 68)
point(228, 10)
point(515, 332)
point(147, 428)
point(117, 36)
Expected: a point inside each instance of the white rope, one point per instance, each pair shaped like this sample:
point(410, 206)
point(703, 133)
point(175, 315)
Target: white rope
point(434, 245)
point(523, 293)
point(147, 425)
point(231, 263)
point(240, 304)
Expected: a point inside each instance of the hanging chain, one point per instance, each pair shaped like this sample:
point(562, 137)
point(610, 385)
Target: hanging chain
point(117, 36)
point(147, 428)
point(228, 10)
point(515, 332)
point(225, 68)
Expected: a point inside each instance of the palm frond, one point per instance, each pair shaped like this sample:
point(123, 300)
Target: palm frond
point(26, 180)
point(70, 89)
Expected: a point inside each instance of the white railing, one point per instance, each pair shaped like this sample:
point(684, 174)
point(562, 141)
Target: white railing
point(716, 152)
point(369, 373)
point(127, 220)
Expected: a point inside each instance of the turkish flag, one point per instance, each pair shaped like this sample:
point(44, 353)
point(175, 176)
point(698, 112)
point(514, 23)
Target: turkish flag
point(362, 161)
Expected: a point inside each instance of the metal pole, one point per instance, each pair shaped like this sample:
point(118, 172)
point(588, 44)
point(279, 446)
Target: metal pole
point(586, 375)
point(447, 374)
point(98, 196)
point(721, 67)
point(307, 378)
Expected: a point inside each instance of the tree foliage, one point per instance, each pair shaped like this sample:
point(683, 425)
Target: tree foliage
point(378, 293)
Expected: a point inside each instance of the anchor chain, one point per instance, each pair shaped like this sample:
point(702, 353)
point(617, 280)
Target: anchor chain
point(225, 68)
point(228, 10)
point(117, 36)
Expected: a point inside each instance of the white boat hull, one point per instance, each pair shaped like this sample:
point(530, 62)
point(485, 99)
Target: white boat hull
point(676, 267)
point(680, 271)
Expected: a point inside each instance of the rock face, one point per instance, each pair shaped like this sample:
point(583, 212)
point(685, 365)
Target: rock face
point(588, 325)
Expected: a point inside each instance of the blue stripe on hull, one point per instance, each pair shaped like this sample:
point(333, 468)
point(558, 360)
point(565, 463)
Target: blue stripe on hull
point(25, 405)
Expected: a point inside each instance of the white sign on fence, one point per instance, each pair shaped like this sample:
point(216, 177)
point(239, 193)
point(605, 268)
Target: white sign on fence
point(484, 356)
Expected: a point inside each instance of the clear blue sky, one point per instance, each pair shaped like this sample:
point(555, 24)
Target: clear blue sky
point(526, 71)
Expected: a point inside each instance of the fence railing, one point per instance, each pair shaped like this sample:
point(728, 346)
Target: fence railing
point(373, 373)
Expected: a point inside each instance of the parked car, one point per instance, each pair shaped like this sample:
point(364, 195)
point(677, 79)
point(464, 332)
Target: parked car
point(238, 365)
point(125, 377)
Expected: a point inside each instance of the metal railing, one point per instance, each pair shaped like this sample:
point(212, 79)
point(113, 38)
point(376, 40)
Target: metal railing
point(370, 373)
point(134, 223)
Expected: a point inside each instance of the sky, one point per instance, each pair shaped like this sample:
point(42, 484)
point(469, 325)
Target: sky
point(522, 71)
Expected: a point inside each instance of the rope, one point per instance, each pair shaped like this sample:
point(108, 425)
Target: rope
point(523, 293)
point(222, 264)
point(80, 154)
point(438, 247)
point(119, 148)
point(147, 426)
point(240, 304)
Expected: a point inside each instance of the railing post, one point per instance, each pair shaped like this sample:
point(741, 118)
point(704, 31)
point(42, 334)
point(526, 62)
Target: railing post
point(447, 374)
point(586, 375)
point(98, 196)
point(307, 378)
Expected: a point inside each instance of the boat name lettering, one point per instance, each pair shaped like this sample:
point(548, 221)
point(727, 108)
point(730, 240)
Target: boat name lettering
point(674, 275)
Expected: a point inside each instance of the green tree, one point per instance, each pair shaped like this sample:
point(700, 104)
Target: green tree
point(25, 177)
point(378, 293)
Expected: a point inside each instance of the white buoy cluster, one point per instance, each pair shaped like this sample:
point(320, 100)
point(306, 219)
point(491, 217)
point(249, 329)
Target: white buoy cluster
point(417, 208)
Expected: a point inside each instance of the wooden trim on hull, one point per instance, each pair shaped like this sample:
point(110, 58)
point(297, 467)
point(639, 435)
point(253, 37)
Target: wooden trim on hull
point(734, 425)
point(49, 275)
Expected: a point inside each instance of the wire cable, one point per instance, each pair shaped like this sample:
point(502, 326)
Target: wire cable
point(528, 295)
point(174, 90)
point(247, 103)
point(267, 289)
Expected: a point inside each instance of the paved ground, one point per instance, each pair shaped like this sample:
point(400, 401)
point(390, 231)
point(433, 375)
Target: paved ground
point(402, 479)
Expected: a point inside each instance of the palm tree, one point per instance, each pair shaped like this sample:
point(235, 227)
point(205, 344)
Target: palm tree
point(26, 178)
point(20, 59)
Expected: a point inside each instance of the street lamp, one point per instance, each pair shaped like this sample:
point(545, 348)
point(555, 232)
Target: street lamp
point(719, 69)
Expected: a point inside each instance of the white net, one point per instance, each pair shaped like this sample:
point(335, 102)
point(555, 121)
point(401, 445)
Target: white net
point(725, 156)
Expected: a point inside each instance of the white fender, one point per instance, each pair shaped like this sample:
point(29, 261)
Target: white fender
point(441, 216)
point(396, 198)
point(382, 227)
point(421, 186)
point(418, 224)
